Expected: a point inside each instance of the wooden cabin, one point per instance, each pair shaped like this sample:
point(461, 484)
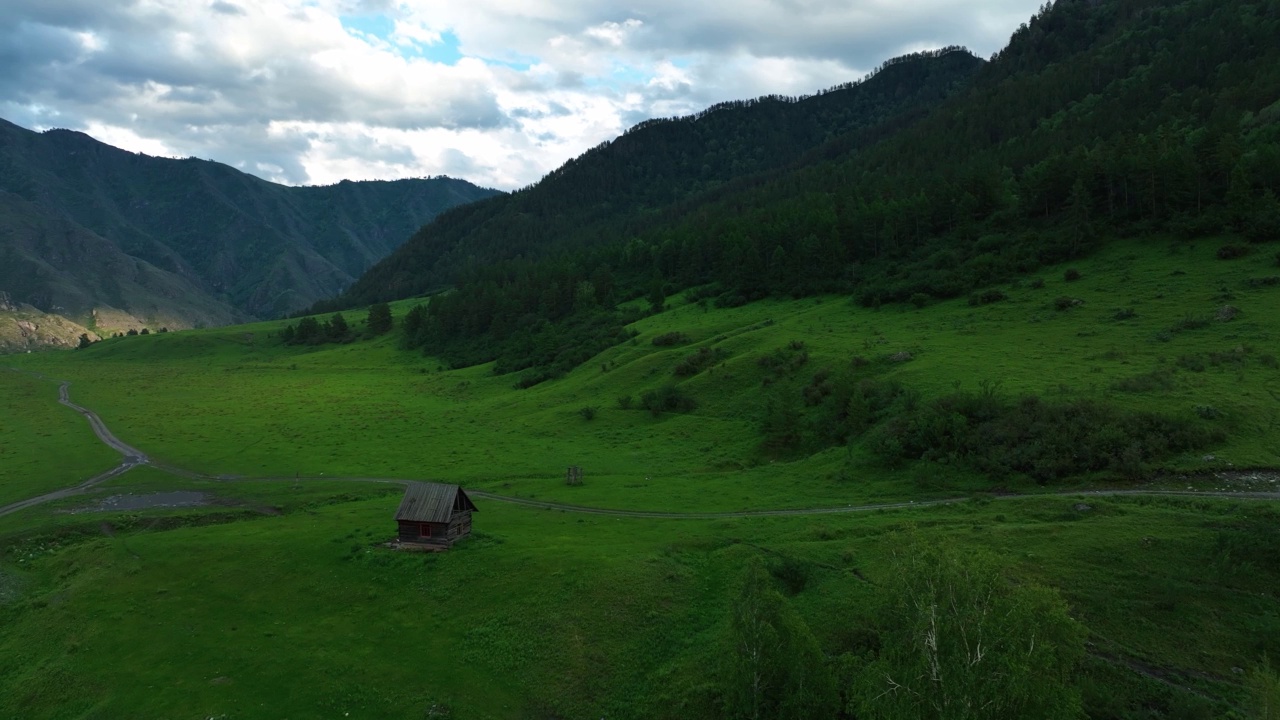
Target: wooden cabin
point(434, 514)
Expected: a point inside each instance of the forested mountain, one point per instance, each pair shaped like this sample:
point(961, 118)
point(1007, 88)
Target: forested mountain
point(1100, 118)
point(183, 242)
point(655, 170)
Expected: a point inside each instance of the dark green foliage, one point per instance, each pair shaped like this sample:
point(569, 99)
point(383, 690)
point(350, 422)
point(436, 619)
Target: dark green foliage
point(84, 341)
point(1124, 314)
point(1037, 283)
point(625, 401)
point(987, 297)
point(1066, 303)
point(1154, 381)
point(1105, 129)
point(308, 332)
point(668, 398)
point(919, 299)
point(1232, 252)
point(1071, 275)
point(785, 359)
point(336, 329)
point(1043, 440)
point(379, 321)
point(287, 334)
point(774, 667)
point(131, 332)
point(693, 364)
point(588, 412)
point(145, 331)
point(959, 641)
point(670, 339)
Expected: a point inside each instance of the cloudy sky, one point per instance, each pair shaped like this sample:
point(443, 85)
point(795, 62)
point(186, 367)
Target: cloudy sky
point(498, 92)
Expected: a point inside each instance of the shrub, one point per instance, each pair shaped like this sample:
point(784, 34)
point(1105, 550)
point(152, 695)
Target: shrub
point(1071, 275)
point(588, 413)
point(699, 361)
point(670, 339)
point(1232, 251)
point(1037, 284)
point(668, 398)
point(1156, 380)
point(1046, 441)
point(1124, 314)
point(919, 299)
point(624, 402)
point(1269, 281)
point(987, 297)
point(1207, 412)
point(1190, 322)
point(785, 359)
point(1194, 363)
point(1066, 303)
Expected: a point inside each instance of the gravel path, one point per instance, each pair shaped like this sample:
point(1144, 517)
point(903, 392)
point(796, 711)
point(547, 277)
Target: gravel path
point(133, 457)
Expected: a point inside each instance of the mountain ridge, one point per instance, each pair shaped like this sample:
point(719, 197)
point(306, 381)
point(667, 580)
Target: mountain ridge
point(217, 245)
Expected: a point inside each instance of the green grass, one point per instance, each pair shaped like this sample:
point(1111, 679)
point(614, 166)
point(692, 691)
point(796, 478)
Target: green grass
point(43, 445)
point(302, 615)
point(275, 601)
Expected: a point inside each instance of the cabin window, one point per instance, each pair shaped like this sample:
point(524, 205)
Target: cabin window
point(424, 530)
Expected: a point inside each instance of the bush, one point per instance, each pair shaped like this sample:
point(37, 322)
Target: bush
point(1066, 303)
point(790, 358)
point(1037, 284)
point(699, 361)
point(588, 413)
point(987, 297)
point(1154, 381)
point(919, 299)
point(1232, 251)
point(670, 339)
point(1043, 440)
point(1124, 314)
point(1071, 275)
point(624, 402)
point(1190, 322)
point(668, 398)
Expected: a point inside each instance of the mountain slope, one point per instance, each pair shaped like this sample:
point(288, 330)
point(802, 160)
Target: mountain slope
point(232, 244)
point(1094, 122)
point(636, 181)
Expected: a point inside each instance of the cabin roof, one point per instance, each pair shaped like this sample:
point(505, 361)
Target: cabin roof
point(432, 502)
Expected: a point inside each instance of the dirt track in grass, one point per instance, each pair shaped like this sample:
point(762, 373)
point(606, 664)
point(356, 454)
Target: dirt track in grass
point(133, 457)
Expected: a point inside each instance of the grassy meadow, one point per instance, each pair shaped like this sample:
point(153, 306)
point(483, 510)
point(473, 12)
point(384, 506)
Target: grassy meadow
point(276, 600)
point(43, 445)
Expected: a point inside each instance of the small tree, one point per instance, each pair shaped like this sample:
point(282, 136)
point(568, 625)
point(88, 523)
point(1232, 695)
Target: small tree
point(84, 341)
point(379, 321)
point(775, 668)
point(337, 329)
point(287, 334)
point(131, 332)
point(309, 332)
point(145, 332)
point(960, 642)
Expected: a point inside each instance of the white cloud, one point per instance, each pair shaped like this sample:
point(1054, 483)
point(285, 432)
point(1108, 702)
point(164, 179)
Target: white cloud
point(320, 90)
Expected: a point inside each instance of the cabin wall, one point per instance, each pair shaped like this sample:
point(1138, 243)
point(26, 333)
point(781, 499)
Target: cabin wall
point(408, 532)
point(459, 526)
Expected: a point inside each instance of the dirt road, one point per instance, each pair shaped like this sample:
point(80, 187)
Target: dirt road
point(133, 457)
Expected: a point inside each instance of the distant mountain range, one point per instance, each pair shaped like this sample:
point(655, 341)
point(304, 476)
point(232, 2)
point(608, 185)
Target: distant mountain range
point(111, 240)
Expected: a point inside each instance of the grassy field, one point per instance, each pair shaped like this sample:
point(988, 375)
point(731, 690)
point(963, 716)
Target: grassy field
point(276, 600)
point(43, 445)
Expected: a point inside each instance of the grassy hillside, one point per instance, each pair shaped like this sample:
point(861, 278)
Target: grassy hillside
point(625, 616)
point(43, 445)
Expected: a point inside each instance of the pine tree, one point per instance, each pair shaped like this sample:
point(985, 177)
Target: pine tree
point(379, 321)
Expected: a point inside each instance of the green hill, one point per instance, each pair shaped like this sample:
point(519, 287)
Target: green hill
point(187, 242)
point(1090, 125)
